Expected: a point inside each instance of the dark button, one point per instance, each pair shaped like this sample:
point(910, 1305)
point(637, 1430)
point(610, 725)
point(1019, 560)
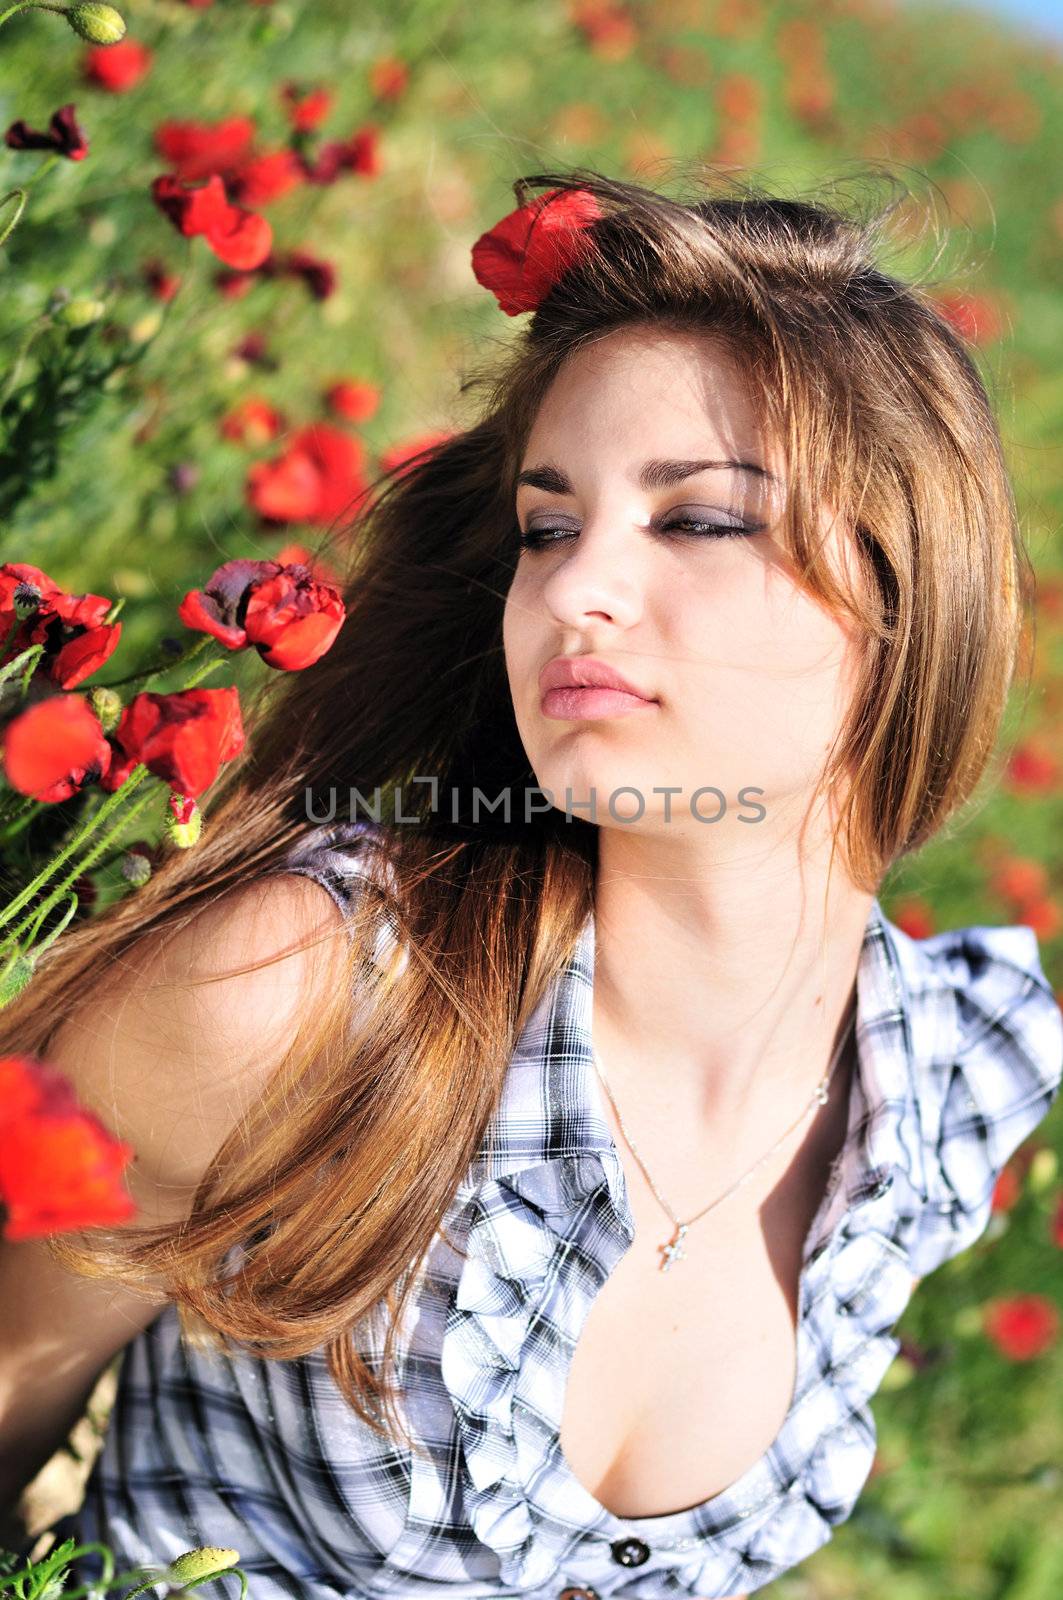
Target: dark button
point(579, 1592)
point(630, 1552)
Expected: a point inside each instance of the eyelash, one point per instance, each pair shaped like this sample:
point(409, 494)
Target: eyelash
point(534, 539)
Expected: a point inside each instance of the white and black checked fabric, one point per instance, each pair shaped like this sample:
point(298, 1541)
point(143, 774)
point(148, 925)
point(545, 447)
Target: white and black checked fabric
point(960, 1051)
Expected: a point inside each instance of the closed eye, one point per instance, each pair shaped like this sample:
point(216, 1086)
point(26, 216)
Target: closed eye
point(695, 527)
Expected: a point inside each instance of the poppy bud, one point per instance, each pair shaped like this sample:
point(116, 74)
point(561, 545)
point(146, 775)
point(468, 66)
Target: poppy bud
point(96, 22)
point(1043, 1170)
point(26, 599)
point(80, 312)
point(107, 706)
point(203, 1563)
point(136, 868)
point(184, 833)
point(145, 327)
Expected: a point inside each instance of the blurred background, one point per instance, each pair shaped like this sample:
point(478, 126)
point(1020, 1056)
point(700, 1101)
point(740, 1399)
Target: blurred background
point(189, 410)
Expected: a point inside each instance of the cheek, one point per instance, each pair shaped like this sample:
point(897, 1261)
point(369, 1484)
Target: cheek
point(767, 671)
point(521, 629)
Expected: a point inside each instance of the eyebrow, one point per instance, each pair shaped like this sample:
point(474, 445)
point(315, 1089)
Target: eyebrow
point(653, 474)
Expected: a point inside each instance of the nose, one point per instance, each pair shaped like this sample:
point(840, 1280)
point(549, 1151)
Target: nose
point(597, 578)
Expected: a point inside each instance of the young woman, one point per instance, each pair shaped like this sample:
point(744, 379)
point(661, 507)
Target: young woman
point(531, 1174)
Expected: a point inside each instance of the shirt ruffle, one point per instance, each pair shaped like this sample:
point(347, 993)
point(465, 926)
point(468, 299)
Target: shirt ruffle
point(508, 1466)
point(977, 1104)
point(877, 1229)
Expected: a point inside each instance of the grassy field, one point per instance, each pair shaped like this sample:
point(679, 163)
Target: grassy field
point(133, 475)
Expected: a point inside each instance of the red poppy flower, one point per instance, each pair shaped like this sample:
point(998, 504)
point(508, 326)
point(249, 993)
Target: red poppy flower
point(1022, 1327)
point(60, 1168)
point(70, 626)
point(352, 399)
point(330, 161)
point(55, 748)
point(192, 211)
point(240, 238)
point(182, 807)
point(287, 489)
point(305, 108)
point(394, 458)
point(253, 349)
point(388, 77)
point(182, 737)
point(291, 555)
point(359, 153)
point(1019, 879)
point(1006, 1190)
point(522, 257)
point(234, 285)
point(975, 317)
point(252, 421)
point(914, 917)
point(1032, 768)
point(1042, 915)
point(161, 283)
point(195, 150)
point(117, 67)
point(362, 151)
point(293, 618)
point(318, 274)
point(289, 615)
point(63, 135)
point(315, 480)
point(263, 178)
point(609, 30)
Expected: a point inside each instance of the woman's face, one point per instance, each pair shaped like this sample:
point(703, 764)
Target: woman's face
point(745, 678)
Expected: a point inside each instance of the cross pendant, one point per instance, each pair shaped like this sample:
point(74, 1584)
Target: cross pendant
point(674, 1250)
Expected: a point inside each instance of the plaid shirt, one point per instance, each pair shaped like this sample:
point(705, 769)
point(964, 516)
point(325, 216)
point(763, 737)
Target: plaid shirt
point(959, 1056)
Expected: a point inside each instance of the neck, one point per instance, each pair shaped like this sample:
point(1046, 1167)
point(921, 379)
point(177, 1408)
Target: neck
point(726, 989)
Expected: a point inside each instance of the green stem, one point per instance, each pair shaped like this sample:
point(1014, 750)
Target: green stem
point(38, 918)
point(32, 5)
point(88, 859)
point(202, 670)
point(164, 664)
point(36, 329)
point(46, 166)
point(107, 809)
point(13, 194)
point(27, 659)
point(113, 1583)
point(88, 827)
point(13, 803)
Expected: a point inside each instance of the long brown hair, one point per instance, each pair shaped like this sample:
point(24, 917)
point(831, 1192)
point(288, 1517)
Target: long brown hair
point(307, 1222)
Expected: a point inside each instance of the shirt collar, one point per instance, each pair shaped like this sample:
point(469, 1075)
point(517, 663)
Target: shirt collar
point(548, 1137)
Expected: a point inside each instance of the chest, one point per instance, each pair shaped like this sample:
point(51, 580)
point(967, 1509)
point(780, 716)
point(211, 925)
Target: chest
point(681, 1379)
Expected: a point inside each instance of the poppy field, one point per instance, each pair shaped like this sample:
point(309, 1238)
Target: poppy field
point(237, 290)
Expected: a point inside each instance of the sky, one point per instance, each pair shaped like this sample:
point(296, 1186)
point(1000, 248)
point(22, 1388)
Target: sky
point(1041, 17)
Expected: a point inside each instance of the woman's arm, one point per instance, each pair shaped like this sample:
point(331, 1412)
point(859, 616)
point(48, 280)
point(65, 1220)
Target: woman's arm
point(170, 1069)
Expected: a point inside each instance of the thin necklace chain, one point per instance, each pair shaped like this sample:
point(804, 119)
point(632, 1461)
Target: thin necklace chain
point(673, 1249)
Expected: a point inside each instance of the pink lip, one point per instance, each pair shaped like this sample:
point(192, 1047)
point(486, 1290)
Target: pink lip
point(585, 672)
point(577, 703)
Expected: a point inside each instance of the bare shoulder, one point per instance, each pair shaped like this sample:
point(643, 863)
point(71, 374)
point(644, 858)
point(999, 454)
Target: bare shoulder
point(189, 1025)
